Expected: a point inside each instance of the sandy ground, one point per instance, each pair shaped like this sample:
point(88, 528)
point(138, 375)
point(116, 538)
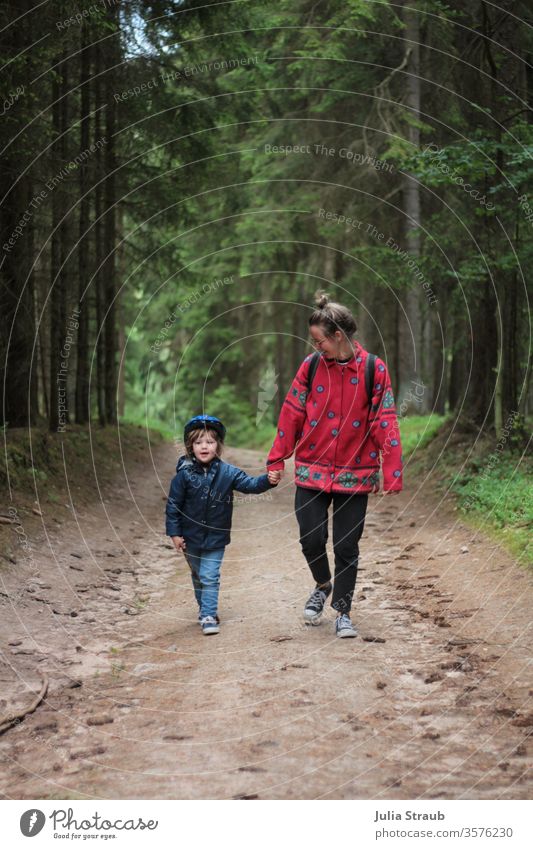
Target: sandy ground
point(432, 700)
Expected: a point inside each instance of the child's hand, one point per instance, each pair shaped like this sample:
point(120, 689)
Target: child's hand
point(179, 543)
point(274, 477)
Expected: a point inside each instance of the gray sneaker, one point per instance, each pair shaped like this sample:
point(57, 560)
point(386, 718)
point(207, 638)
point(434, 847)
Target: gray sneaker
point(210, 625)
point(200, 617)
point(344, 626)
point(315, 605)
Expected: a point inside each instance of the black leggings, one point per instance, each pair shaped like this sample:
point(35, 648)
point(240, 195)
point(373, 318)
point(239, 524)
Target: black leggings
point(349, 512)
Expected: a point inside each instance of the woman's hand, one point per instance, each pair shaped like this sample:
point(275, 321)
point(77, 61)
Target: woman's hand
point(179, 543)
point(381, 492)
point(274, 477)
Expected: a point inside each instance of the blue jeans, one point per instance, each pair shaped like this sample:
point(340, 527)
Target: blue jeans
point(205, 573)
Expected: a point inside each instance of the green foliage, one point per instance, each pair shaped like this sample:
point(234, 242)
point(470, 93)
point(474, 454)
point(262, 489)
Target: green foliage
point(150, 426)
point(418, 431)
point(491, 482)
point(209, 201)
point(42, 465)
point(498, 495)
point(240, 419)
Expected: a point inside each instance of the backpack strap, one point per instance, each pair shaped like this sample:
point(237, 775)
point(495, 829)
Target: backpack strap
point(313, 365)
point(370, 368)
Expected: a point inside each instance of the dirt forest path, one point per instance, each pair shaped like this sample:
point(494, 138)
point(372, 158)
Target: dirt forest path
point(432, 700)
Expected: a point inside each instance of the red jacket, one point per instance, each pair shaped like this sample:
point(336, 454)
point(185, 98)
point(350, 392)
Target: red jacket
point(338, 440)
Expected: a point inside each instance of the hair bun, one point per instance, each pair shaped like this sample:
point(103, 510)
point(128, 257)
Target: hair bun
point(331, 316)
point(321, 300)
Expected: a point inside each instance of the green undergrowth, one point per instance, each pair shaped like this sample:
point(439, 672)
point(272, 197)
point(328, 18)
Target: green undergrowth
point(52, 468)
point(418, 431)
point(489, 481)
point(501, 495)
point(156, 426)
point(242, 430)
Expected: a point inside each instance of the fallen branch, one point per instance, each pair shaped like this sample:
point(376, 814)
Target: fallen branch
point(8, 721)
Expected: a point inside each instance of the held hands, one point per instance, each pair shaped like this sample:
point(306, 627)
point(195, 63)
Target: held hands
point(274, 477)
point(179, 543)
point(383, 492)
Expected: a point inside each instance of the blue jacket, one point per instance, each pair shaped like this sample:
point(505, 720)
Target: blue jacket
point(200, 502)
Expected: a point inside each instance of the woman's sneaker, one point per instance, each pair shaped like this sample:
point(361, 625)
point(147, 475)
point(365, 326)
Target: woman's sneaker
point(315, 605)
point(344, 626)
point(210, 625)
point(200, 618)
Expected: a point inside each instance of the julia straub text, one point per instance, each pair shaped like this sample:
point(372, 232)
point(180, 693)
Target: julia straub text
point(407, 816)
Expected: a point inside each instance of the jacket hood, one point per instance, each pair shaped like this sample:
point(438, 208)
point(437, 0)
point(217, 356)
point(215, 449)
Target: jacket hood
point(183, 461)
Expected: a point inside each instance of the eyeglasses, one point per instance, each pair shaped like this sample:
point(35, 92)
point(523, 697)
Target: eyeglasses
point(316, 342)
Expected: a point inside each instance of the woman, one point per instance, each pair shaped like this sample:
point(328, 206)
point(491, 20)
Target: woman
point(342, 422)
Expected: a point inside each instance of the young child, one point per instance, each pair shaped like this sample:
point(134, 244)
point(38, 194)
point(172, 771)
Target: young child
point(200, 506)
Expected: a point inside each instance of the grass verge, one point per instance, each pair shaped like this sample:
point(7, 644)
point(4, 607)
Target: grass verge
point(418, 431)
point(491, 485)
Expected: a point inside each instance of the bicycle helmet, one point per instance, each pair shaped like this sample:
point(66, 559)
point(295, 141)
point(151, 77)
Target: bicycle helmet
point(207, 422)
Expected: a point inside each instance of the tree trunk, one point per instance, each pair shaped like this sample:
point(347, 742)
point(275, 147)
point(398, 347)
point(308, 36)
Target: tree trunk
point(498, 389)
point(17, 305)
point(58, 363)
point(283, 378)
point(439, 357)
point(17, 309)
point(410, 330)
point(480, 371)
point(110, 226)
point(98, 235)
point(43, 360)
point(121, 334)
point(458, 366)
point(83, 399)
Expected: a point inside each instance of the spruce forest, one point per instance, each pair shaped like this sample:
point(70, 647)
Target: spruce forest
point(179, 179)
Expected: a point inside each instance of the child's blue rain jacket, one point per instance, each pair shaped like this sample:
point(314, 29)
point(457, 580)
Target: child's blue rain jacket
point(200, 502)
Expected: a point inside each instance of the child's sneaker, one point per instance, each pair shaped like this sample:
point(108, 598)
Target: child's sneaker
point(344, 626)
point(210, 625)
point(315, 605)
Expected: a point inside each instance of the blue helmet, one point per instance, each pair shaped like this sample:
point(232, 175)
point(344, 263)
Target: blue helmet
point(207, 422)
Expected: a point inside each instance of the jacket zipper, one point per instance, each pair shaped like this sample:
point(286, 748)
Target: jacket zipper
point(331, 480)
point(208, 493)
point(206, 501)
